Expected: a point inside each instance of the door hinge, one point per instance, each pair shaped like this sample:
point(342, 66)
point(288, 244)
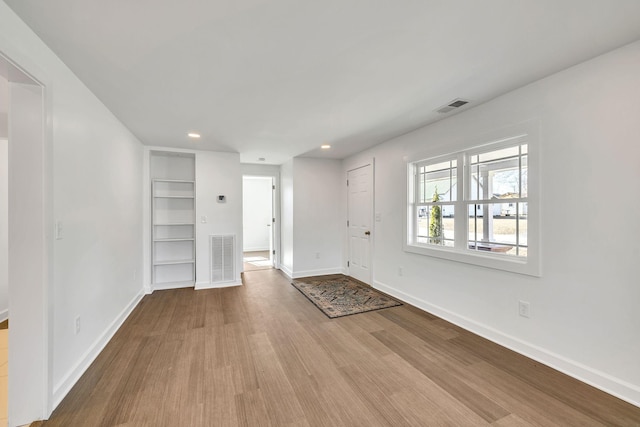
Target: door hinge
point(347, 263)
point(347, 183)
point(273, 187)
point(347, 223)
point(273, 252)
point(273, 220)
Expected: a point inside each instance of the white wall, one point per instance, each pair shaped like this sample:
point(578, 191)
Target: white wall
point(319, 216)
point(4, 199)
point(313, 216)
point(217, 174)
point(260, 170)
point(96, 195)
point(257, 195)
point(4, 230)
point(584, 308)
point(286, 217)
point(28, 249)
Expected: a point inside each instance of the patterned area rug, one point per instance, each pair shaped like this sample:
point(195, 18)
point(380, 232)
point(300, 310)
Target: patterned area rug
point(341, 296)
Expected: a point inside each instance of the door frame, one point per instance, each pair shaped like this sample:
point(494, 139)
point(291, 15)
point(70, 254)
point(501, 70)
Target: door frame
point(275, 208)
point(347, 246)
point(20, 69)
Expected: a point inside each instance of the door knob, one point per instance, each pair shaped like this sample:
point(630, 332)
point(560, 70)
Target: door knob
point(367, 233)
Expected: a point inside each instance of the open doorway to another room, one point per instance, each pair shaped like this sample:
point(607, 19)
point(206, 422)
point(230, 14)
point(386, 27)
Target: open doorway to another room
point(258, 222)
point(4, 249)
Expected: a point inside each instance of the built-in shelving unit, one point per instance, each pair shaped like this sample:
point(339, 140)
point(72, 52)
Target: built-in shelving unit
point(173, 192)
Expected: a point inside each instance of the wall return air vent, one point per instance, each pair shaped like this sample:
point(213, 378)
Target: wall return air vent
point(223, 250)
point(456, 103)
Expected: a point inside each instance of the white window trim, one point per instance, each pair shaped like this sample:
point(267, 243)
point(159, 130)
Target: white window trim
point(531, 265)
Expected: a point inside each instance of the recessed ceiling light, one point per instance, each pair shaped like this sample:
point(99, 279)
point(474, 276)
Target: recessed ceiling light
point(193, 135)
point(325, 146)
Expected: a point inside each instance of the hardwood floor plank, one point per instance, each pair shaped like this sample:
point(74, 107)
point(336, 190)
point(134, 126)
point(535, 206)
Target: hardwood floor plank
point(598, 405)
point(301, 378)
point(511, 421)
point(220, 407)
point(374, 393)
point(127, 389)
point(262, 354)
point(480, 404)
point(241, 357)
point(427, 401)
point(251, 409)
point(437, 337)
point(532, 405)
point(281, 402)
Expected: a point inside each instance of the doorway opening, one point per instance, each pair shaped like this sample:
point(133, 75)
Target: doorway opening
point(258, 220)
point(25, 248)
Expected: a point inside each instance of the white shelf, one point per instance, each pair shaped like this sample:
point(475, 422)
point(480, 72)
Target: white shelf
point(173, 192)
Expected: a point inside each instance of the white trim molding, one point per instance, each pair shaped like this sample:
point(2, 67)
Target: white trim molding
point(208, 285)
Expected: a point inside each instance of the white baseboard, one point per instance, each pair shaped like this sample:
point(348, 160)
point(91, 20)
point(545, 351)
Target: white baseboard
point(321, 272)
point(259, 249)
point(68, 381)
point(308, 273)
point(603, 381)
point(209, 285)
point(4, 315)
point(171, 285)
point(287, 271)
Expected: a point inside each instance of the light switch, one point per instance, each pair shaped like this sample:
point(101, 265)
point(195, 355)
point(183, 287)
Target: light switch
point(203, 219)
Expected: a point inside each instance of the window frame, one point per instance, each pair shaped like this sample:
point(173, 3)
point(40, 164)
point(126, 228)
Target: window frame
point(459, 252)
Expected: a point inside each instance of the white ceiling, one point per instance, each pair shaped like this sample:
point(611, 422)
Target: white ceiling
point(277, 78)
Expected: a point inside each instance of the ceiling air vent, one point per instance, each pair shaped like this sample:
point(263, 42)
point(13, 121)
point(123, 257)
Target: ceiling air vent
point(456, 103)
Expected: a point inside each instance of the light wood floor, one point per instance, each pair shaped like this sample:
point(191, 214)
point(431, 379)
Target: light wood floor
point(248, 266)
point(263, 355)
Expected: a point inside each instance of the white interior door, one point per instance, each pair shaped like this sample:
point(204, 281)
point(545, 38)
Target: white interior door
point(360, 206)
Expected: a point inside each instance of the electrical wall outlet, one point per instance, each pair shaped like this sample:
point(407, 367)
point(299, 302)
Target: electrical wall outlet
point(524, 309)
point(77, 325)
point(317, 255)
point(400, 271)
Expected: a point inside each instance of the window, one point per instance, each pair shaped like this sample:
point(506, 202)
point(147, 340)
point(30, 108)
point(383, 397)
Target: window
point(436, 186)
point(497, 200)
point(474, 206)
